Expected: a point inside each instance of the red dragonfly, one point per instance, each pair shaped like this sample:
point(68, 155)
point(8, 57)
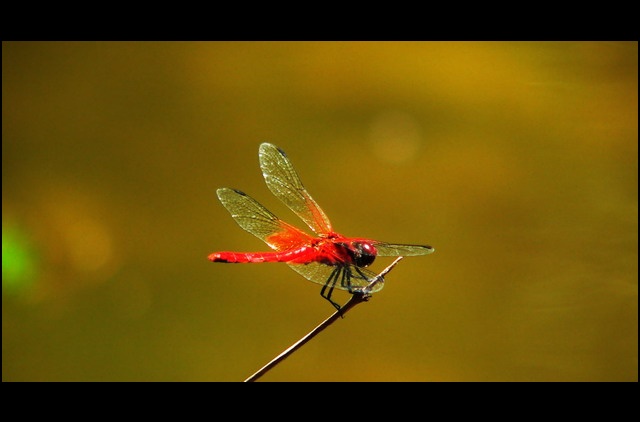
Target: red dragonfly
point(330, 259)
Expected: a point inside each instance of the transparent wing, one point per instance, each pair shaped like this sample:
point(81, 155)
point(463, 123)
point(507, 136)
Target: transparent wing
point(260, 222)
point(389, 249)
point(320, 273)
point(284, 183)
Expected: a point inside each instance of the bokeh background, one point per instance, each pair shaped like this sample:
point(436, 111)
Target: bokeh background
point(516, 161)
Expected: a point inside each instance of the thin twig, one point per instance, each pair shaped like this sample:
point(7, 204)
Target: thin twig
point(356, 298)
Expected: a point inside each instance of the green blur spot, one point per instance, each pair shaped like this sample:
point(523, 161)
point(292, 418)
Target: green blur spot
point(18, 260)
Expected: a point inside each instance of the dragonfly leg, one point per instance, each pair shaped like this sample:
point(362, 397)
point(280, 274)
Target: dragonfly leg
point(346, 280)
point(331, 283)
point(364, 277)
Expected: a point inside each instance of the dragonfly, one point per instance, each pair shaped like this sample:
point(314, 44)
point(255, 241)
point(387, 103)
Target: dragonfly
point(328, 258)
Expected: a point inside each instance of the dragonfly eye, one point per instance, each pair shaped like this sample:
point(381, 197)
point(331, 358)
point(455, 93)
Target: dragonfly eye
point(364, 254)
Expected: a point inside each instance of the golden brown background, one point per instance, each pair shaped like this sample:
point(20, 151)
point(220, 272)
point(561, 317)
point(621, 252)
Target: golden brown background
point(516, 161)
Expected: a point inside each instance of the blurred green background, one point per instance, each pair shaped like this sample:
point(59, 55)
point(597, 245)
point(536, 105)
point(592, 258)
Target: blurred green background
point(516, 161)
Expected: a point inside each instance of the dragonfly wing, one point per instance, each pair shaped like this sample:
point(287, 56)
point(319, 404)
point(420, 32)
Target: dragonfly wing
point(388, 249)
point(260, 222)
point(285, 184)
point(320, 273)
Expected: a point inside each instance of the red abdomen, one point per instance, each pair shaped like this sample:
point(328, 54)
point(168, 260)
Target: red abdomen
point(301, 255)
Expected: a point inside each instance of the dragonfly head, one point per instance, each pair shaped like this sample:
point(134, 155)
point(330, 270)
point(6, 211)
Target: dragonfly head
point(363, 253)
